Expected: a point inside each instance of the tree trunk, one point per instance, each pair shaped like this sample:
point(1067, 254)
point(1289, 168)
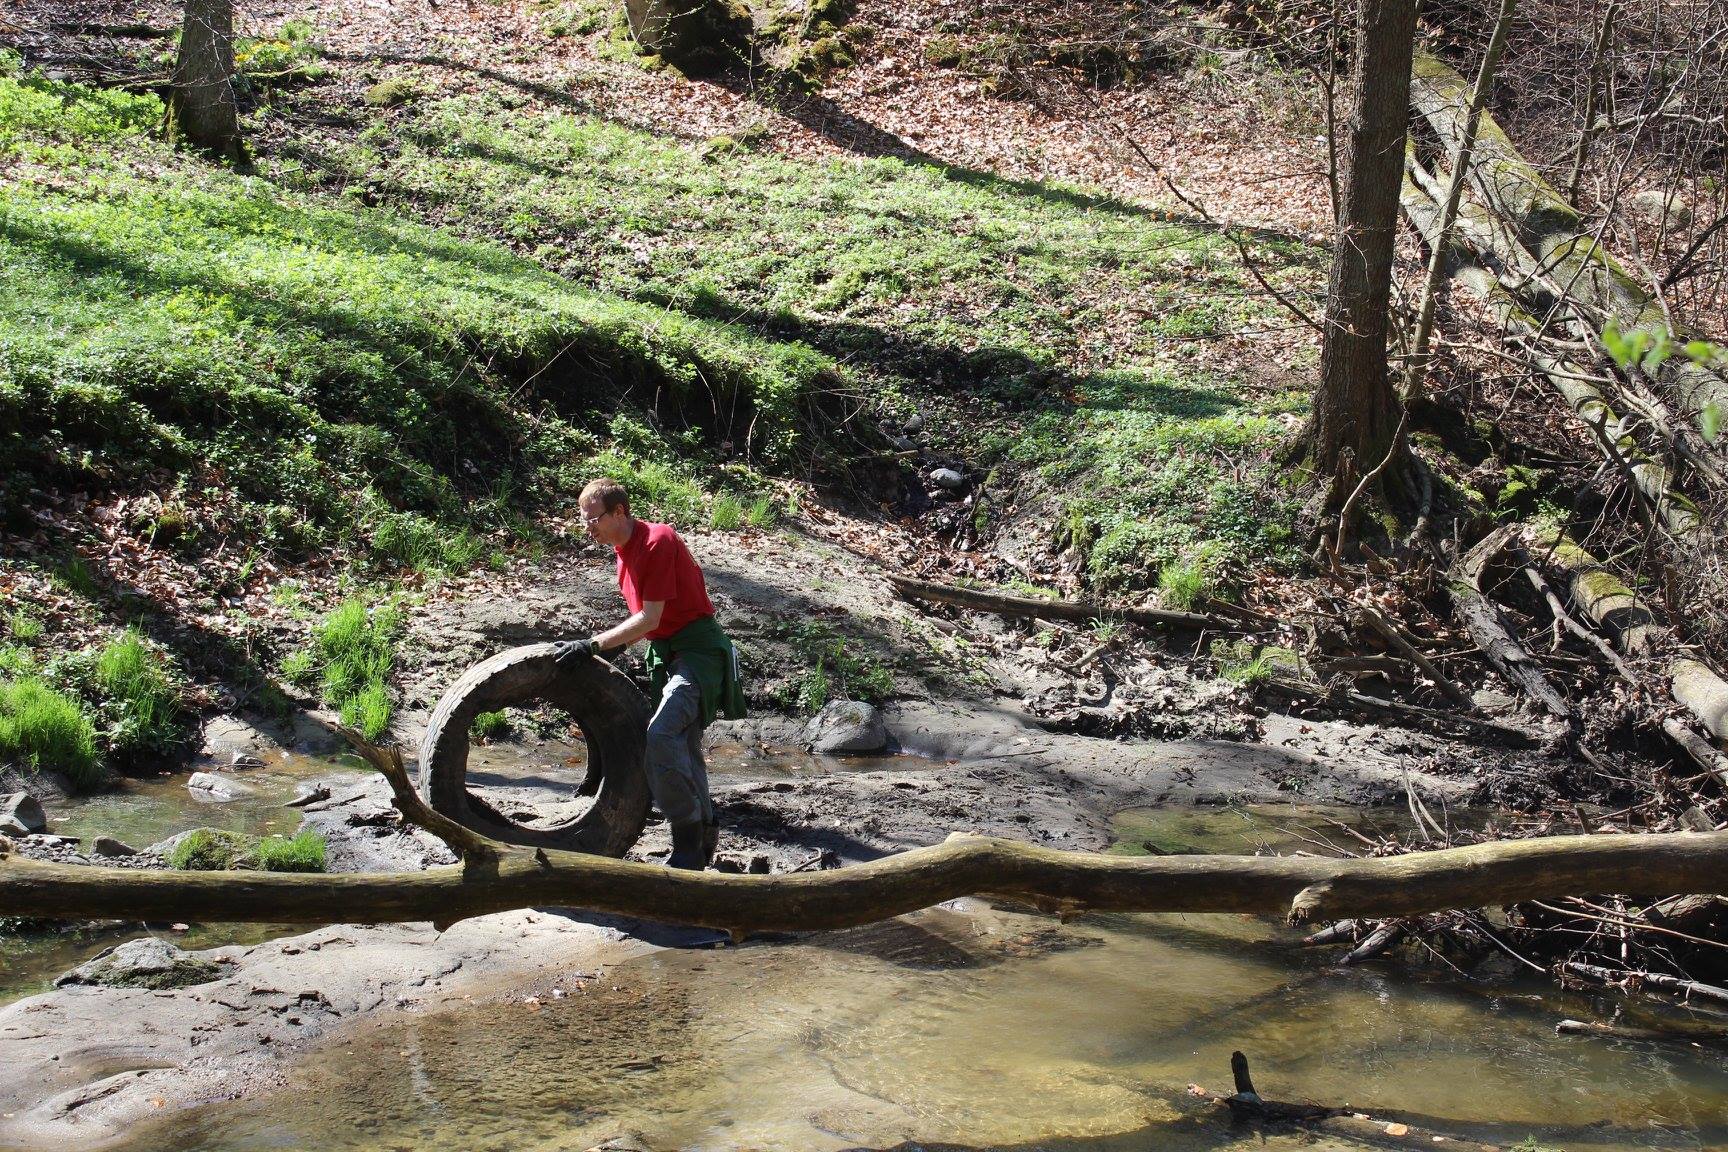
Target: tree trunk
point(201, 108)
point(1355, 411)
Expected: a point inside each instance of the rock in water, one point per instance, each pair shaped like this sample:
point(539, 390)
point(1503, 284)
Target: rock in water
point(947, 478)
point(846, 728)
point(21, 814)
point(146, 963)
point(209, 786)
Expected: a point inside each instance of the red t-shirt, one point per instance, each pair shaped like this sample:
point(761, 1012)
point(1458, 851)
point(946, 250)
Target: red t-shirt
point(654, 564)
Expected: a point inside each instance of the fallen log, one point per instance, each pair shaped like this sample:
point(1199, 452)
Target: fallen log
point(1652, 480)
point(1037, 608)
point(1635, 629)
point(1553, 232)
point(1605, 1031)
point(1482, 619)
point(494, 877)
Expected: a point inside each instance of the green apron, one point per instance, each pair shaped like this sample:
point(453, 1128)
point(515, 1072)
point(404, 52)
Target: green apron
point(710, 658)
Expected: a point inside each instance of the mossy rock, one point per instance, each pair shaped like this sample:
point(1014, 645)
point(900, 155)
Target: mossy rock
point(698, 38)
point(146, 963)
point(392, 93)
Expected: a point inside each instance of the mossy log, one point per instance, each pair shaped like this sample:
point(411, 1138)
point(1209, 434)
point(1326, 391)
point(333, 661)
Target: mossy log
point(1636, 630)
point(1554, 233)
point(1651, 478)
point(495, 877)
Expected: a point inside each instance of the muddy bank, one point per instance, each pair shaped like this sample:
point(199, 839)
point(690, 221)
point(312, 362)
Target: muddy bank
point(970, 754)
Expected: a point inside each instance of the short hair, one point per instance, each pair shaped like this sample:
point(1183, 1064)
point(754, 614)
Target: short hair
point(610, 492)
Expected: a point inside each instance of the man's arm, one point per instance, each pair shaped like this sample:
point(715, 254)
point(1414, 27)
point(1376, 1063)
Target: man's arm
point(636, 626)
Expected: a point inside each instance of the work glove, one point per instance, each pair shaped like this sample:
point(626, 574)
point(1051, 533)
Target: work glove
point(568, 652)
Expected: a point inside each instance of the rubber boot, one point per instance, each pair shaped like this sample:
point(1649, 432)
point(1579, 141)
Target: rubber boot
point(686, 846)
point(710, 840)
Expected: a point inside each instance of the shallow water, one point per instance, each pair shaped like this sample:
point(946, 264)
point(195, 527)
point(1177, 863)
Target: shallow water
point(990, 1029)
point(141, 812)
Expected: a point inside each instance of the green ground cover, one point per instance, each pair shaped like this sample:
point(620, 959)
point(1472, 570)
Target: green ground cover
point(407, 340)
point(342, 376)
point(1060, 321)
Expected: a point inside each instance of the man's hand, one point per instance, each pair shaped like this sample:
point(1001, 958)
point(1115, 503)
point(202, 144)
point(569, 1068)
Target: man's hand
point(568, 652)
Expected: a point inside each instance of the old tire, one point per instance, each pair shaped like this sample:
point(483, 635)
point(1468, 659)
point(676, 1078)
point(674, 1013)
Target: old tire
point(612, 714)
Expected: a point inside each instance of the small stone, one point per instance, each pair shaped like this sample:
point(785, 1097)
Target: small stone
point(21, 814)
point(108, 846)
point(903, 443)
point(947, 478)
point(209, 786)
point(914, 423)
point(243, 761)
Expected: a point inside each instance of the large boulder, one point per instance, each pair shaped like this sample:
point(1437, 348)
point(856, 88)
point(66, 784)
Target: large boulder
point(146, 963)
point(21, 815)
point(846, 728)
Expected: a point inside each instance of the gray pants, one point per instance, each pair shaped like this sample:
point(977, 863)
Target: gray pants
point(677, 774)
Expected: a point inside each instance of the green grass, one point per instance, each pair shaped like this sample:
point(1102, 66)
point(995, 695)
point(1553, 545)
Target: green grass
point(490, 725)
point(301, 852)
point(726, 514)
point(351, 378)
point(830, 669)
point(46, 731)
point(145, 717)
point(763, 512)
point(907, 272)
point(208, 850)
point(1185, 585)
point(354, 650)
point(411, 387)
point(217, 850)
point(23, 627)
point(1242, 663)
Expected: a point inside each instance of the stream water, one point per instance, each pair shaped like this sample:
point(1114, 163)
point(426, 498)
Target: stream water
point(987, 1028)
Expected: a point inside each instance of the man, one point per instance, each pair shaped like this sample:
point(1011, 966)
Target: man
point(691, 663)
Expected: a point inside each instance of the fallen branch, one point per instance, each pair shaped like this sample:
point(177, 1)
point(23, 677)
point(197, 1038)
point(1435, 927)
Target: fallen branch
point(1033, 607)
point(1394, 636)
point(1689, 989)
point(1605, 1031)
point(496, 877)
point(1482, 619)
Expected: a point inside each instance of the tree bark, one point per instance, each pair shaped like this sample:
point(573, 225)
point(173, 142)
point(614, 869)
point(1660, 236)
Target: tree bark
point(495, 877)
point(1355, 410)
point(201, 108)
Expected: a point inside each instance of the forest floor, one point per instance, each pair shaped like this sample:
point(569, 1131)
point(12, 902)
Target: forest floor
point(485, 253)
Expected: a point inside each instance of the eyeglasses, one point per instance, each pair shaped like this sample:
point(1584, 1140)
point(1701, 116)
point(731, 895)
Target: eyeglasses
point(590, 521)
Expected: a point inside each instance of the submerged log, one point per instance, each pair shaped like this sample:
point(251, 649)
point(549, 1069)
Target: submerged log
point(496, 877)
